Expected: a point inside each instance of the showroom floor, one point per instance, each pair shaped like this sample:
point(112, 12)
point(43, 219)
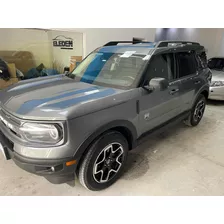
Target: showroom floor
point(184, 161)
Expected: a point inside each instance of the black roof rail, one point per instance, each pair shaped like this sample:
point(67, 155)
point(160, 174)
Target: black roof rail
point(112, 43)
point(166, 43)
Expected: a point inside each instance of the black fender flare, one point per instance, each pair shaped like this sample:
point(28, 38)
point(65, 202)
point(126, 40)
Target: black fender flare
point(204, 88)
point(99, 131)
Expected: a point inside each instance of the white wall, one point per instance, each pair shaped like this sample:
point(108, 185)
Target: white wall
point(96, 37)
point(34, 41)
point(221, 50)
point(220, 42)
point(40, 44)
point(212, 39)
point(37, 41)
point(61, 56)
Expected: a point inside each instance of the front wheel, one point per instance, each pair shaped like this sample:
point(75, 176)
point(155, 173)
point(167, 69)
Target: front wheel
point(104, 162)
point(197, 112)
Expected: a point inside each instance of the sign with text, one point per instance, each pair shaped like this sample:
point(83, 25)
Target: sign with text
point(65, 43)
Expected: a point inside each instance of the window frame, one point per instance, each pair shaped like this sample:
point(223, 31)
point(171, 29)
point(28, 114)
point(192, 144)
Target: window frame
point(201, 64)
point(144, 76)
point(175, 68)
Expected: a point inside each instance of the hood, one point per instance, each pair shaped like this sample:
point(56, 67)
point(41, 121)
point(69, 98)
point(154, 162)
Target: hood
point(217, 75)
point(57, 98)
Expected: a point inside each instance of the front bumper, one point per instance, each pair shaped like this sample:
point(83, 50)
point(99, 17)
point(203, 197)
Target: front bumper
point(216, 93)
point(54, 170)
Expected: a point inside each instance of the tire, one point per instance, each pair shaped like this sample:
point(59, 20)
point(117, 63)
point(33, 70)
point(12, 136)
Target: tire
point(97, 171)
point(194, 119)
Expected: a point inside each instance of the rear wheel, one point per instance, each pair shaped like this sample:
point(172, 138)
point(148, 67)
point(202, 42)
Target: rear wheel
point(104, 162)
point(197, 112)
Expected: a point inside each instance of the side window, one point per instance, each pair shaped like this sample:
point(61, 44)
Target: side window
point(186, 63)
point(162, 66)
point(202, 60)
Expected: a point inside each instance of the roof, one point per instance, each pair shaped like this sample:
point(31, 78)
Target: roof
point(145, 47)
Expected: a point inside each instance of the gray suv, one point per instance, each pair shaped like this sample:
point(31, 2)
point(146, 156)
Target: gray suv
point(84, 123)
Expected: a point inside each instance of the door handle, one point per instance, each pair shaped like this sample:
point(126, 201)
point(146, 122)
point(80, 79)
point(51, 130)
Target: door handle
point(173, 91)
point(197, 82)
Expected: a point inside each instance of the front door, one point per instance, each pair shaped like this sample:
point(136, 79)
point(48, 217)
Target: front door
point(159, 107)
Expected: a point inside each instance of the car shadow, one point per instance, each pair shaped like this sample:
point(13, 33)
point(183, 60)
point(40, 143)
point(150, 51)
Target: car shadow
point(215, 102)
point(138, 162)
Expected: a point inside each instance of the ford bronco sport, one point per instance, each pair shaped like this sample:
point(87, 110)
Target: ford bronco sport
point(85, 122)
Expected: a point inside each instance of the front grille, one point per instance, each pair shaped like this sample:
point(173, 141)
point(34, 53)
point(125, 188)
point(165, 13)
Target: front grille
point(5, 114)
point(10, 122)
point(6, 142)
point(9, 117)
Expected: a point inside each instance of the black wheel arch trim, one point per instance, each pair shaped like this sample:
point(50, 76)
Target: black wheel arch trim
point(109, 126)
point(204, 88)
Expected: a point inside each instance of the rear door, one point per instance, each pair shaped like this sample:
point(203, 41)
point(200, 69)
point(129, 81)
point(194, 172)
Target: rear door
point(187, 76)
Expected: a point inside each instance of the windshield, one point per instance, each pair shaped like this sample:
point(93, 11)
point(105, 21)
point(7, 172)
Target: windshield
point(112, 69)
point(216, 63)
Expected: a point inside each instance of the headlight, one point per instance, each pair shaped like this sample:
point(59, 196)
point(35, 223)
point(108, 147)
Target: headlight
point(41, 133)
point(217, 83)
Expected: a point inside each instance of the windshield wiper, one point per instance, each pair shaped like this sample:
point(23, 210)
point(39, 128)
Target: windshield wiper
point(70, 75)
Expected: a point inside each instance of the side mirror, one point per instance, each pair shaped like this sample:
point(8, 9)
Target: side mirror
point(158, 84)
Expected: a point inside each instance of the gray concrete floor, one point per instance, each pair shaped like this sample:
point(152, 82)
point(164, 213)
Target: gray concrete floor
point(183, 161)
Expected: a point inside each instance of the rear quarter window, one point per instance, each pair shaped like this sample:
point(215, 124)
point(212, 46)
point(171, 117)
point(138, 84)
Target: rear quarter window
point(202, 60)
